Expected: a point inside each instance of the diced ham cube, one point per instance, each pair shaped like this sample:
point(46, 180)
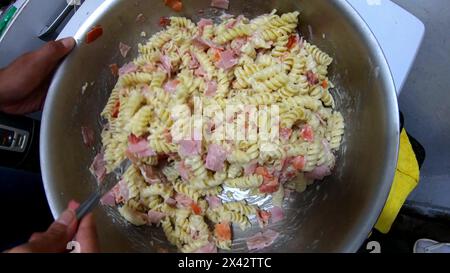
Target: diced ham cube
point(98, 167)
point(166, 63)
point(124, 49)
point(121, 192)
point(285, 133)
point(183, 171)
point(211, 89)
point(155, 217)
point(108, 199)
point(313, 79)
point(277, 214)
point(171, 86)
point(149, 68)
point(200, 72)
point(170, 201)
point(189, 147)
point(127, 68)
point(88, 136)
point(237, 44)
point(262, 239)
point(183, 200)
point(318, 173)
point(193, 64)
point(141, 148)
point(203, 23)
point(213, 201)
point(250, 168)
point(215, 158)
point(204, 43)
point(227, 60)
point(326, 146)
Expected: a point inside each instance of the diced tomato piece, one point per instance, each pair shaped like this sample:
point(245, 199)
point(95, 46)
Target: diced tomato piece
point(324, 84)
point(299, 162)
point(216, 56)
point(178, 6)
point(114, 69)
point(270, 185)
point(307, 133)
point(263, 217)
point(94, 34)
point(115, 112)
point(164, 21)
point(263, 171)
point(291, 42)
point(133, 139)
point(196, 209)
point(222, 231)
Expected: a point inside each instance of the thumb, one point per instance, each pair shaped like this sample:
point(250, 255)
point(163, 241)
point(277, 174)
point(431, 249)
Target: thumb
point(64, 228)
point(31, 69)
point(52, 52)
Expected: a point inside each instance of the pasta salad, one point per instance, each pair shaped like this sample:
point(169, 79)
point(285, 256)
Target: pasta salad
point(208, 106)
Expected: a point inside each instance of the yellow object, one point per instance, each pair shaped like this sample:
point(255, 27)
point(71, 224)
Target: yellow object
point(405, 180)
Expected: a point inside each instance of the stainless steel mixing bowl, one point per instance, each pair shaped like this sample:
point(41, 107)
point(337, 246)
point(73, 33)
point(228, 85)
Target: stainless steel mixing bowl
point(334, 215)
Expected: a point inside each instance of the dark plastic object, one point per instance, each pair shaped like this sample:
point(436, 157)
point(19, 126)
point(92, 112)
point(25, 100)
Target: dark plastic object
point(4, 3)
point(28, 159)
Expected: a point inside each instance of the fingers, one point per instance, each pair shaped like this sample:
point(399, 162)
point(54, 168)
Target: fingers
point(73, 205)
point(62, 231)
point(55, 239)
point(31, 70)
point(52, 52)
point(87, 235)
point(45, 60)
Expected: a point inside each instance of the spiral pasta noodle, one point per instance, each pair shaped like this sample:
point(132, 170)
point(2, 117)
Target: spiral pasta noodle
point(245, 182)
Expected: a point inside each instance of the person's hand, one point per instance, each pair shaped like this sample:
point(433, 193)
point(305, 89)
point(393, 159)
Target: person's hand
point(65, 229)
point(24, 83)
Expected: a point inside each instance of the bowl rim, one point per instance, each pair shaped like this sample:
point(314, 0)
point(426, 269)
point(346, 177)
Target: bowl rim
point(363, 226)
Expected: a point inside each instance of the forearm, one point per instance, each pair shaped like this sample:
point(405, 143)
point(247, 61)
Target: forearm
point(3, 87)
